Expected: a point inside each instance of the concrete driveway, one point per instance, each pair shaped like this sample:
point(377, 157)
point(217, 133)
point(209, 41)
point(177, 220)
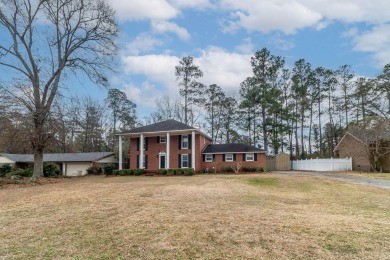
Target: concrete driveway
point(385, 184)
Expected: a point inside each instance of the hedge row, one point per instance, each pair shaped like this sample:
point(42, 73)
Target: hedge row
point(124, 172)
point(170, 172)
point(243, 169)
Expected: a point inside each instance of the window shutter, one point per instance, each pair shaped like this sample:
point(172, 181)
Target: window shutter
point(234, 157)
point(189, 141)
point(158, 139)
point(255, 155)
point(179, 141)
point(224, 157)
point(137, 143)
point(146, 143)
point(213, 157)
point(204, 157)
point(189, 161)
point(243, 157)
point(138, 161)
point(146, 161)
point(179, 160)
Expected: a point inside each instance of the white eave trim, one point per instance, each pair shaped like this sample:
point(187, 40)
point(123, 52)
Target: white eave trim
point(159, 132)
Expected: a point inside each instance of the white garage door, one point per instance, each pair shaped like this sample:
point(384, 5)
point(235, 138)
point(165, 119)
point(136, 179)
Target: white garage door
point(77, 169)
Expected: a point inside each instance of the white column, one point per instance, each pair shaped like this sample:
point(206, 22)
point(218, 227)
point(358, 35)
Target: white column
point(64, 169)
point(193, 150)
point(168, 150)
point(141, 148)
point(120, 153)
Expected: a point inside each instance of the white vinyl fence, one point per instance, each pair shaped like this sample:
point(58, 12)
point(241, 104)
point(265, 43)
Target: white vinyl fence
point(332, 164)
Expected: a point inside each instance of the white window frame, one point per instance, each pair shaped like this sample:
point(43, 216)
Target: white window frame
point(182, 141)
point(208, 158)
point(144, 140)
point(249, 154)
point(231, 159)
point(182, 160)
point(163, 139)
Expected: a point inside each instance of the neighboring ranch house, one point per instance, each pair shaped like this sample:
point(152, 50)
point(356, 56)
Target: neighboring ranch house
point(352, 146)
point(171, 144)
point(70, 164)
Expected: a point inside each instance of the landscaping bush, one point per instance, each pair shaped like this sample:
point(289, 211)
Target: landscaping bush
point(129, 172)
point(189, 171)
point(171, 172)
point(4, 169)
point(227, 170)
point(249, 169)
point(94, 170)
point(162, 172)
point(116, 172)
point(108, 169)
point(138, 172)
point(21, 172)
point(50, 170)
point(261, 169)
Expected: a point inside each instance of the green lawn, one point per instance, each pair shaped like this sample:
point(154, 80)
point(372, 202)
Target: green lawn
point(205, 216)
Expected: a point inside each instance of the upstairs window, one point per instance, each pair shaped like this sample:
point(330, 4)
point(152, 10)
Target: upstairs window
point(163, 139)
point(184, 142)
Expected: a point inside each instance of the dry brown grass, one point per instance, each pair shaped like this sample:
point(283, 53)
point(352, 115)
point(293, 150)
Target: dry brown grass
point(375, 175)
point(209, 217)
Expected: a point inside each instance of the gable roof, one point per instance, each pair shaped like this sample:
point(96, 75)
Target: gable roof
point(232, 148)
point(164, 126)
point(60, 157)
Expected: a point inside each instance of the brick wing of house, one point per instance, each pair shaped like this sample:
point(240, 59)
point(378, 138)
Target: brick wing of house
point(171, 144)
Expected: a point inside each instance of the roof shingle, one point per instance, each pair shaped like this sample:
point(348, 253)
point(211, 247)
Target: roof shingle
point(232, 148)
point(168, 125)
point(59, 157)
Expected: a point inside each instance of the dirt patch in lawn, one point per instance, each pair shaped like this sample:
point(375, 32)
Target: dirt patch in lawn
point(204, 216)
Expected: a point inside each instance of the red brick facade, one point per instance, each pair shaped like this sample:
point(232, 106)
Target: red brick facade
point(219, 163)
point(154, 148)
point(350, 146)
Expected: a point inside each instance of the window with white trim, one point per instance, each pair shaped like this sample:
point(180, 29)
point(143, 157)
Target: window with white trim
point(184, 142)
point(249, 157)
point(228, 157)
point(144, 162)
point(163, 139)
point(184, 161)
point(208, 158)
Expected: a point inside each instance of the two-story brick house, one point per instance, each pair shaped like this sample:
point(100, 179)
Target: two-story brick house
point(172, 144)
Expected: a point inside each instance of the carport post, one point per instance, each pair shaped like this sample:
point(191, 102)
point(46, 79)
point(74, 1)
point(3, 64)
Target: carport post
point(120, 152)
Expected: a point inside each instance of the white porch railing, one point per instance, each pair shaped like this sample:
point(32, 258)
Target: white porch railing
point(332, 164)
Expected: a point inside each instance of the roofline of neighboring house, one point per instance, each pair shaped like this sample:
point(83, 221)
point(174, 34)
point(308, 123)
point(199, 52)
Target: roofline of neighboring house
point(57, 161)
point(347, 133)
point(164, 132)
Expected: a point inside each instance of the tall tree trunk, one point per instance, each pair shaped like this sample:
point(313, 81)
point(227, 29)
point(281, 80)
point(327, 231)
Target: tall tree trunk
point(38, 143)
point(302, 127)
point(38, 164)
point(264, 128)
point(310, 125)
point(320, 127)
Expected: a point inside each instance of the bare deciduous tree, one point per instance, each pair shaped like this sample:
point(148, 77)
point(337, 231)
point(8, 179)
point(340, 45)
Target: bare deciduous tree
point(43, 40)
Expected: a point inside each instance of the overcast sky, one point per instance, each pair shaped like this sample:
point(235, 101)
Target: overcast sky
point(222, 35)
